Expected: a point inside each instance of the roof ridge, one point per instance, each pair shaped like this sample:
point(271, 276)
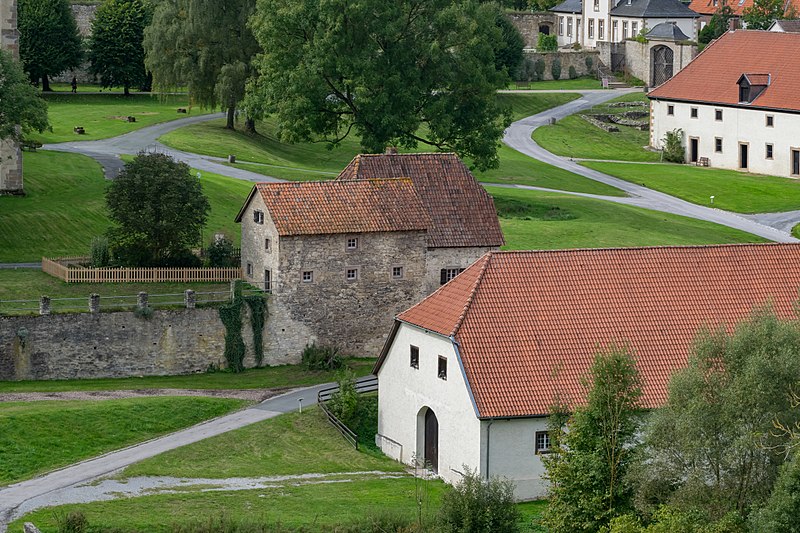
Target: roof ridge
point(333, 181)
point(660, 247)
point(473, 292)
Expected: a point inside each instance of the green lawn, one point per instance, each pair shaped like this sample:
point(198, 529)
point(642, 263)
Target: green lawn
point(584, 82)
point(65, 207)
point(36, 437)
point(575, 137)
point(257, 378)
point(541, 220)
point(734, 191)
point(105, 115)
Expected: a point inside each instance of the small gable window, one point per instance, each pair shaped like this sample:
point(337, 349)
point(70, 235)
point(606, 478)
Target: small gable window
point(751, 86)
point(414, 357)
point(442, 370)
point(542, 442)
point(258, 216)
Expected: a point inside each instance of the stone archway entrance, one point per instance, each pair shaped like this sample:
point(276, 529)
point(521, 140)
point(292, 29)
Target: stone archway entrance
point(661, 59)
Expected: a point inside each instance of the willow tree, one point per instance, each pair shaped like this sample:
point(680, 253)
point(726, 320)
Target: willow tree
point(404, 73)
point(205, 45)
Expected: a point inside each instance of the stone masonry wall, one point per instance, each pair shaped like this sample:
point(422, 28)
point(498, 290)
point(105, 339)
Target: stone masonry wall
point(10, 154)
point(439, 258)
point(331, 310)
point(103, 345)
point(528, 25)
point(575, 58)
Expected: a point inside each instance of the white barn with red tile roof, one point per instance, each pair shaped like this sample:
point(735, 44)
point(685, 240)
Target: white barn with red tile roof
point(738, 104)
point(467, 376)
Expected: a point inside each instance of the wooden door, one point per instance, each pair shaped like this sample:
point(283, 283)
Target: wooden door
point(431, 441)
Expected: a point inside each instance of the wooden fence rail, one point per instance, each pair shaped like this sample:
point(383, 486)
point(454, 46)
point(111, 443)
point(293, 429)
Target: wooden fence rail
point(71, 270)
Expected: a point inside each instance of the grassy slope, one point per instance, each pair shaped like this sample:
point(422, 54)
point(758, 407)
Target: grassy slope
point(574, 137)
point(40, 436)
point(554, 221)
point(732, 190)
point(286, 445)
point(65, 207)
point(101, 115)
point(584, 82)
point(259, 378)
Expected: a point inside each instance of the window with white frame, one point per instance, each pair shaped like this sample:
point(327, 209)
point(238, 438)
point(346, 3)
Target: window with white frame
point(624, 29)
point(397, 272)
point(352, 243)
point(769, 151)
point(634, 29)
point(614, 33)
point(718, 145)
point(447, 274)
point(561, 25)
point(542, 442)
point(601, 29)
point(308, 276)
point(258, 216)
point(597, 5)
point(351, 274)
point(569, 27)
point(591, 29)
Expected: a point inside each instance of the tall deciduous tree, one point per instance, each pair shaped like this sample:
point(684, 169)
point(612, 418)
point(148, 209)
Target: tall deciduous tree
point(712, 447)
point(206, 45)
point(21, 109)
point(719, 23)
point(587, 469)
point(49, 43)
point(394, 73)
point(116, 52)
point(763, 13)
point(158, 209)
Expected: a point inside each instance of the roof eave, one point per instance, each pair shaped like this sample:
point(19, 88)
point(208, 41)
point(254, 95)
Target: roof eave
point(246, 203)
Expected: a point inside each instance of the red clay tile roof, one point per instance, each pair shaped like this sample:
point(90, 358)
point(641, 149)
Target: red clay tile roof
point(529, 323)
point(757, 79)
point(707, 7)
point(461, 211)
point(712, 76)
point(326, 207)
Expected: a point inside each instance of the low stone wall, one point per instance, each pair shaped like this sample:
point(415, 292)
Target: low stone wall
point(568, 58)
point(109, 345)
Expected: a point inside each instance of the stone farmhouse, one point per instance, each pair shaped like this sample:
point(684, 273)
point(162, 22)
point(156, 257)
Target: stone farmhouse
point(738, 104)
point(468, 375)
point(343, 257)
point(10, 155)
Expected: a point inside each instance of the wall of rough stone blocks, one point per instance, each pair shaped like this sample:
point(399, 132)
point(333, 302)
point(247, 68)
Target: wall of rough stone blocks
point(10, 154)
point(575, 58)
point(528, 25)
point(638, 57)
point(109, 345)
point(84, 15)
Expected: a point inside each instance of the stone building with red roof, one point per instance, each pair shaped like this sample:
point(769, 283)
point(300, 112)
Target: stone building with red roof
point(737, 104)
point(468, 375)
point(341, 258)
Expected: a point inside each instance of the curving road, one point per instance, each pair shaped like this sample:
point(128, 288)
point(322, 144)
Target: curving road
point(772, 226)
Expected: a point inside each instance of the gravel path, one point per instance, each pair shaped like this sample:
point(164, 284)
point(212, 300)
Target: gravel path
point(253, 395)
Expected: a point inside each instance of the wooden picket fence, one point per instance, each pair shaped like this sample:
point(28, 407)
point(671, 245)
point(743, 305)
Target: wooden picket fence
point(72, 270)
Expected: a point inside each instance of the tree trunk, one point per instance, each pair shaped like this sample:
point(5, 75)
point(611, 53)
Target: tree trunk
point(250, 126)
point(127, 90)
point(231, 111)
point(45, 83)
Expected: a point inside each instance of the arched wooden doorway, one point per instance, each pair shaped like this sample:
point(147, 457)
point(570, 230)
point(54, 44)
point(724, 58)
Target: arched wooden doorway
point(661, 59)
point(431, 449)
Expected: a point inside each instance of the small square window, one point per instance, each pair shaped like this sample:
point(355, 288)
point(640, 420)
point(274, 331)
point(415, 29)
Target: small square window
point(352, 243)
point(770, 121)
point(397, 272)
point(258, 217)
point(442, 371)
point(268, 245)
point(694, 112)
point(718, 114)
point(718, 145)
point(670, 110)
point(769, 151)
point(352, 274)
point(308, 276)
point(542, 444)
point(249, 269)
point(414, 357)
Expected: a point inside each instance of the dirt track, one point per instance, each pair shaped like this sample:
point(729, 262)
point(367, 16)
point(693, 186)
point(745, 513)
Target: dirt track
point(253, 395)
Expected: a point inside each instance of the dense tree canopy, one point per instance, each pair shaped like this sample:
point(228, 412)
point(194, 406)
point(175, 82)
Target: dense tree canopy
point(21, 109)
point(205, 45)
point(158, 209)
point(49, 43)
point(394, 73)
point(116, 52)
point(763, 13)
point(719, 23)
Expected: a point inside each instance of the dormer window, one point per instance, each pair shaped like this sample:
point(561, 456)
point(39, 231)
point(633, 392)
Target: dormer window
point(751, 86)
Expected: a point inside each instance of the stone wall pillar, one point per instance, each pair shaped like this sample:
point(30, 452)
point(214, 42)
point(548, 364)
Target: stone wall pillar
point(44, 305)
point(94, 303)
point(10, 154)
point(189, 299)
point(142, 300)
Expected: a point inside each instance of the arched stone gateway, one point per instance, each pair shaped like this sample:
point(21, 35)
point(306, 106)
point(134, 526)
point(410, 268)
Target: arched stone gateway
point(662, 58)
point(428, 438)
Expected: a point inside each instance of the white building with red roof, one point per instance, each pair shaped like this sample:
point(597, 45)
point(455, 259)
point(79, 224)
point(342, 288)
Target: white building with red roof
point(467, 376)
point(737, 104)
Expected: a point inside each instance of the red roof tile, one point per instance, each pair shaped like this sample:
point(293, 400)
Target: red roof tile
point(709, 7)
point(325, 207)
point(529, 323)
point(712, 76)
point(461, 211)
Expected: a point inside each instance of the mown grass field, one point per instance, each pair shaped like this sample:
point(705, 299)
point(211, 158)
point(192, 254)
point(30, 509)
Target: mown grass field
point(36, 437)
point(732, 190)
point(575, 137)
point(584, 82)
point(544, 220)
point(257, 378)
point(104, 116)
